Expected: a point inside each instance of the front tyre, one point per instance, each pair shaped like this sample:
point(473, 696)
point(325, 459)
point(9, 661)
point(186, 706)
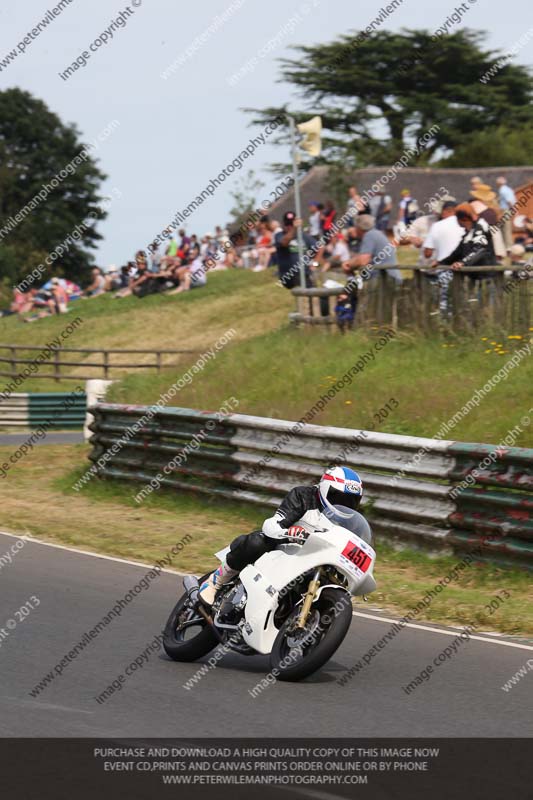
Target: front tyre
point(298, 653)
point(187, 636)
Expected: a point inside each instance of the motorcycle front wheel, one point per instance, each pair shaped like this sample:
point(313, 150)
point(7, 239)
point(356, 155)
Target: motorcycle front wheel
point(297, 652)
point(187, 636)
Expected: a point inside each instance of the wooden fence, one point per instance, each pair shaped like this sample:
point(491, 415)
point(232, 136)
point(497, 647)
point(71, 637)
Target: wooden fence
point(19, 365)
point(499, 303)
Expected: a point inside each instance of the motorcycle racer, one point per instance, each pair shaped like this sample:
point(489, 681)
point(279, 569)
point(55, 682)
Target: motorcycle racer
point(338, 486)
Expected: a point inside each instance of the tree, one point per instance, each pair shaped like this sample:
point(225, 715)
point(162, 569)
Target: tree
point(244, 196)
point(40, 154)
point(380, 94)
point(495, 147)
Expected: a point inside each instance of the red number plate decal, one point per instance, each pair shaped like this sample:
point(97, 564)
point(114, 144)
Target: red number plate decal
point(357, 556)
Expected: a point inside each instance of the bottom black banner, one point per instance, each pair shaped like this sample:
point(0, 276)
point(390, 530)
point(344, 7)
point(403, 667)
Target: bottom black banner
point(267, 768)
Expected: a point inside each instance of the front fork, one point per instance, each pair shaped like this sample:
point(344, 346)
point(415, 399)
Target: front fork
point(312, 589)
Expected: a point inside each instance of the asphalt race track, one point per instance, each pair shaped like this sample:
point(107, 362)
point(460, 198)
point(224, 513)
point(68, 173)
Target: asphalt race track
point(75, 590)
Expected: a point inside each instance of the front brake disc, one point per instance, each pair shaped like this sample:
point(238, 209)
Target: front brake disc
point(299, 636)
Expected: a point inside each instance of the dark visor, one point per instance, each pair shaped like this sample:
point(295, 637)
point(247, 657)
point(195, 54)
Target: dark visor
point(338, 498)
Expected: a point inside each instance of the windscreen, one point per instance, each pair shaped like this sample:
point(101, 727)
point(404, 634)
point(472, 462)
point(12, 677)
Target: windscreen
point(353, 521)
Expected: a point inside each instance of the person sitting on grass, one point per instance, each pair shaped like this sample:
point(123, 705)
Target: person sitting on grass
point(97, 285)
point(142, 276)
point(171, 258)
point(191, 276)
point(21, 303)
point(58, 303)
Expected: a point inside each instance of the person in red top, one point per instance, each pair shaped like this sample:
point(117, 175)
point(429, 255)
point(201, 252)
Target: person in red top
point(327, 218)
point(264, 245)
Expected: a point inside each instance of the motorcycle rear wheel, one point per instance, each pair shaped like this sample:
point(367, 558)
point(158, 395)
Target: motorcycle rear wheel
point(293, 663)
point(176, 645)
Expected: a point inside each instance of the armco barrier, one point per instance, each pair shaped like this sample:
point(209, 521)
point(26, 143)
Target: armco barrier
point(59, 409)
point(255, 459)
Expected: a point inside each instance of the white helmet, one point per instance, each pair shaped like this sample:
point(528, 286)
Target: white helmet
point(340, 486)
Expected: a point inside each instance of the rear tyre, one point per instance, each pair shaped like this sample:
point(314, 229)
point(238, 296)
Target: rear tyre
point(297, 654)
point(187, 636)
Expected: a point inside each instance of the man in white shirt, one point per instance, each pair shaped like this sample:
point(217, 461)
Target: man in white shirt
point(444, 235)
point(443, 238)
point(314, 220)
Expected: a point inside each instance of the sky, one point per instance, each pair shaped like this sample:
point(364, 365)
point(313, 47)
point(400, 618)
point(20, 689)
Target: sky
point(165, 76)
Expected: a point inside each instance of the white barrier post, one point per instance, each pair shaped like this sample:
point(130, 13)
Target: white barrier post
point(95, 390)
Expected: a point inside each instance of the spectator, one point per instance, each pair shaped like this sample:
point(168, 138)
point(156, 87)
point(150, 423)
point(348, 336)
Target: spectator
point(171, 258)
point(443, 238)
point(507, 201)
point(336, 253)
point(263, 245)
point(407, 209)
point(275, 227)
point(475, 182)
point(185, 244)
point(418, 230)
point(352, 240)
point(314, 220)
point(140, 258)
point(528, 234)
point(380, 207)
point(475, 247)
point(517, 253)
point(120, 280)
point(192, 275)
point(355, 205)
point(232, 259)
point(483, 201)
point(97, 286)
point(141, 277)
point(327, 218)
point(58, 303)
point(21, 303)
point(155, 258)
point(375, 249)
point(286, 242)
point(345, 309)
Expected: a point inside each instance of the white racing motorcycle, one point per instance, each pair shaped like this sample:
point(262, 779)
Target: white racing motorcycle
point(294, 602)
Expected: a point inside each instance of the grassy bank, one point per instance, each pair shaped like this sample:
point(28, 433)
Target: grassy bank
point(283, 373)
point(104, 518)
point(275, 370)
point(243, 300)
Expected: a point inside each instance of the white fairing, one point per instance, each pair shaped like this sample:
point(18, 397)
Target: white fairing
point(327, 544)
